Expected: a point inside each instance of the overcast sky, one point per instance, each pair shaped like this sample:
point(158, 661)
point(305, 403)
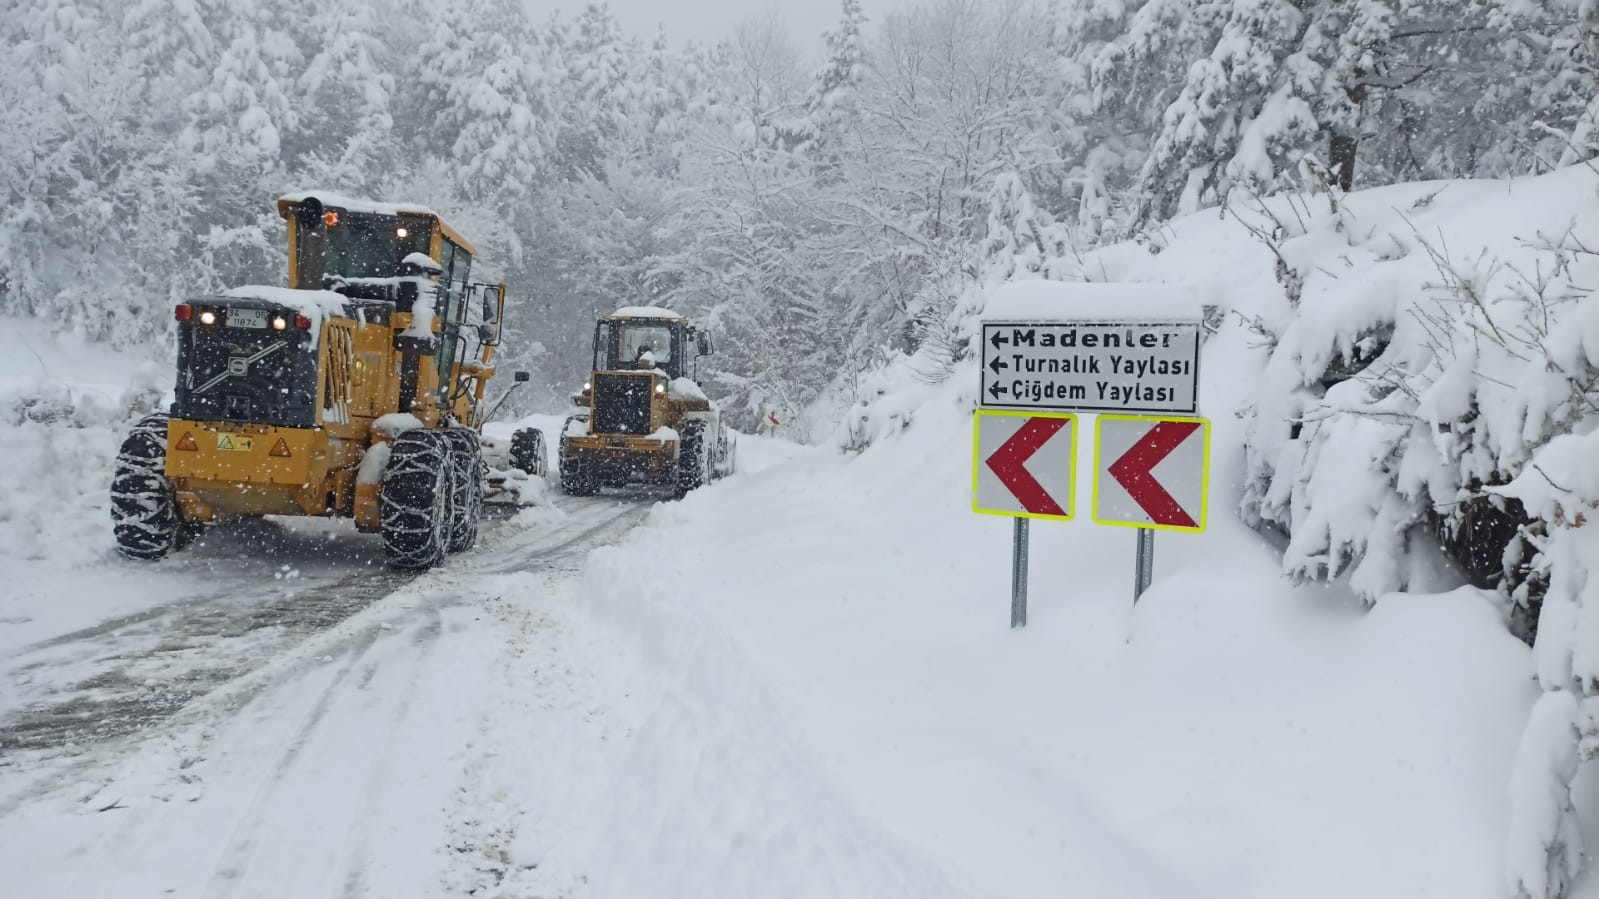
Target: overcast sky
point(709, 20)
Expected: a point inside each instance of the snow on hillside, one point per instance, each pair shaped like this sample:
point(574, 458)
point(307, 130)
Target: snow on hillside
point(831, 638)
point(800, 681)
point(1235, 735)
point(64, 408)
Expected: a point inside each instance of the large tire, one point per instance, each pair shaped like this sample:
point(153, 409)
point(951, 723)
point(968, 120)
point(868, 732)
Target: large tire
point(414, 504)
point(144, 509)
point(527, 452)
point(693, 456)
point(467, 474)
point(726, 462)
point(574, 482)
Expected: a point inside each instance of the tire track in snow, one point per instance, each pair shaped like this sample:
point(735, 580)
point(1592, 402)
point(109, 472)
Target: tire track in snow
point(241, 842)
point(53, 743)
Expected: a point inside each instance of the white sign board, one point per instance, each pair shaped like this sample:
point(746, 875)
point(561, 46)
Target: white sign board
point(1151, 471)
point(1024, 465)
point(1092, 366)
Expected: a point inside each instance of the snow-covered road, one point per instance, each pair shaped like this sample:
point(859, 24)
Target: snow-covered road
point(259, 737)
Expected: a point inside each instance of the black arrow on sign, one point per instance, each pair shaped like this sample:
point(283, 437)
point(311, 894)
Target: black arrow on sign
point(998, 340)
point(996, 390)
point(997, 365)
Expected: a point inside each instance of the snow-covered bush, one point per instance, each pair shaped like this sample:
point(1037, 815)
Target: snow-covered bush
point(1437, 377)
point(1431, 353)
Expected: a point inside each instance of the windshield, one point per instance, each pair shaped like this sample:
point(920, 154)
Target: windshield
point(639, 339)
point(372, 246)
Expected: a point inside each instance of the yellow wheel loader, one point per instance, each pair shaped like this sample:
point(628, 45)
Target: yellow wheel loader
point(357, 391)
point(645, 420)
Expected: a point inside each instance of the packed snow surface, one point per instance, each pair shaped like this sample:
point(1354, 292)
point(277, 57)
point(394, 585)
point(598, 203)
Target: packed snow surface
point(1090, 301)
point(645, 312)
point(355, 204)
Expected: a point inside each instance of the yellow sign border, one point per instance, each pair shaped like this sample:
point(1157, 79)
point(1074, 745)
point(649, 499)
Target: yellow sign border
point(1071, 476)
point(1204, 482)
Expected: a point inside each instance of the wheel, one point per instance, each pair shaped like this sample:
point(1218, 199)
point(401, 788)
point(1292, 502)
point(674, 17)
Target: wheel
point(144, 510)
point(527, 452)
point(467, 474)
point(414, 504)
point(574, 482)
point(692, 456)
point(727, 455)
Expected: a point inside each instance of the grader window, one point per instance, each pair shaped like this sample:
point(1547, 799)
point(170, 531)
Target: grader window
point(372, 246)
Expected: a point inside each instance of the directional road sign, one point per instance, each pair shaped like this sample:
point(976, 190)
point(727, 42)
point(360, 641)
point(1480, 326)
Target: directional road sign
point(1024, 464)
point(1092, 366)
point(1151, 471)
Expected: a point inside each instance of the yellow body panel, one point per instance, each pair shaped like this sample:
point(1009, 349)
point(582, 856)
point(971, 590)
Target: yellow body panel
point(636, 453)
point(232, 470)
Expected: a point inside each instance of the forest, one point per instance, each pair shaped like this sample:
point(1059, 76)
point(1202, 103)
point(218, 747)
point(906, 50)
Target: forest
point(823, 216)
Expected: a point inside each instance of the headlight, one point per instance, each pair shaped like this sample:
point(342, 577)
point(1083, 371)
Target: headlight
point(660, 388)
point(587, 386)
point(208, 317)
point(279, 323)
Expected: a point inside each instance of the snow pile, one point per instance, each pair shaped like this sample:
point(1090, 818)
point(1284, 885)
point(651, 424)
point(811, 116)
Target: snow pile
point(684, 389)
point(393, 424)
point(1231, 736)
point(1394, 358)
point(65, 407)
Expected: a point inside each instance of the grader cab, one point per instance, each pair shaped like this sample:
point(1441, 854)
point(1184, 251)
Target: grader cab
point(357, 391)
point(646, 421)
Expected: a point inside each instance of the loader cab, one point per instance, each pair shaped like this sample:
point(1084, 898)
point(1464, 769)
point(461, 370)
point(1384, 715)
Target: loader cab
point(644, 338)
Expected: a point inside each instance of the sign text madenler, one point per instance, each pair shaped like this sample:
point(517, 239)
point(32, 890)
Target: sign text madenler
point(1092, 366)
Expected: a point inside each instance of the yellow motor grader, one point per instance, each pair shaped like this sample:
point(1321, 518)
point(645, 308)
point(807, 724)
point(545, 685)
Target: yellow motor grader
point(357, 391)
point(646, 421)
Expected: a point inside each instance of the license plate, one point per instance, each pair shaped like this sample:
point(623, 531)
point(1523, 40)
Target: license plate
point(235, 443)
point(247, 318)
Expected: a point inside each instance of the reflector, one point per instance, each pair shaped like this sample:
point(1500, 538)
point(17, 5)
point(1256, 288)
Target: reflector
point(302, 322)
point(183, 312)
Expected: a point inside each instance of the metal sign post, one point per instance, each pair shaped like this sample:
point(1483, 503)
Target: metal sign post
point(1144, 573)
point(1024, 466)
point(1151, 473)
point(1018, 577)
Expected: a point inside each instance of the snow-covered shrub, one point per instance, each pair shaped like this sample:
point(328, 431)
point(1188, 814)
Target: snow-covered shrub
point(1438, 377)
point(1428, 369)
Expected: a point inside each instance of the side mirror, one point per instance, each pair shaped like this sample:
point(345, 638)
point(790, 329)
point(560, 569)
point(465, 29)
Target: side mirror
point(703, 340)
point(493, 310)
point(492, 297)
point(521, 377)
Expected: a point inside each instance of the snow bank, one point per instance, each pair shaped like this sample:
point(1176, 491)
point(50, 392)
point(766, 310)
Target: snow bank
point(1233, 736)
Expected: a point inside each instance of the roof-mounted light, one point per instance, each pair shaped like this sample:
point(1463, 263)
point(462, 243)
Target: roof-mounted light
point(331, 218)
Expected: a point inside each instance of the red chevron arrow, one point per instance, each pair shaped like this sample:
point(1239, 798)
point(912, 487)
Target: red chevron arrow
point(1007, 462)
point(1133, 472)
